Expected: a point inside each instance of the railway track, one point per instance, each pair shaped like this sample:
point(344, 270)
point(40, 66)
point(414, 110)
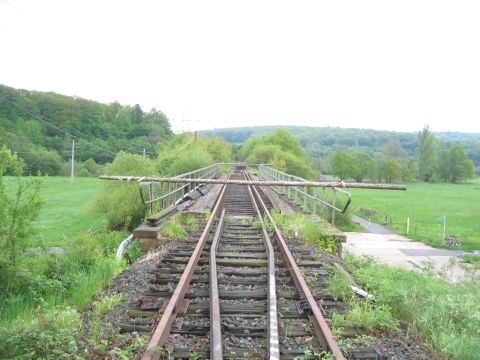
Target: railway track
point(236, 293)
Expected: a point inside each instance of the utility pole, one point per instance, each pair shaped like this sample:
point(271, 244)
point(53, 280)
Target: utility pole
point(72, 171)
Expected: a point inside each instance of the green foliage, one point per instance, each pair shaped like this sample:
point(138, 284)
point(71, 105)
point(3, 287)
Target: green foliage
point(50, 335)
point(339, 284)
point(191, 159)
point(374, 318)
point(344, 165)
point(281, 150)
point(19, 209)
point(364, 164)
point(84, 173)
point(455, 166)
point(189, 221)
point(446, 315)
point(472, 259)
point(310, 355)
point(121, 202)
point(45, 148)
point(173, 229)
point(91, 166)
point(426, 153)
point(306, 228)
point(187, 152)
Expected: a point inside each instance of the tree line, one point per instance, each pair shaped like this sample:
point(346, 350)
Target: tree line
point(321, 142)
point(432, 162)
point(39, 128)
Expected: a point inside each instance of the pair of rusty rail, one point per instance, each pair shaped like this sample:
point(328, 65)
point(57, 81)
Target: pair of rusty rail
point(322, 330)
point(163, 328)
point(216, 351)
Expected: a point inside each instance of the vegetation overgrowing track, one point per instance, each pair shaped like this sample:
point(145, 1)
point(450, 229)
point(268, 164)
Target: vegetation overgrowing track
point(247, 305)
point(234, 289)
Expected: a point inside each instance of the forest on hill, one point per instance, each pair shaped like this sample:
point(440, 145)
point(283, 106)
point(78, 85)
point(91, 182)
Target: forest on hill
point(39, 127)
point(321, 142)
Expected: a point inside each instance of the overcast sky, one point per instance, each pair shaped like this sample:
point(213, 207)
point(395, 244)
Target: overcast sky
point(390, 65)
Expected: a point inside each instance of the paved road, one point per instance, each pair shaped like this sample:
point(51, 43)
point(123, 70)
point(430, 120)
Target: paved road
point(396, 250)
point(371, 227)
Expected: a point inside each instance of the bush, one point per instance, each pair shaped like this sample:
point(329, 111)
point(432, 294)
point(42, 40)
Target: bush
point(190, 160)
point(50, 335)
point(84, 173)
point(121, 201)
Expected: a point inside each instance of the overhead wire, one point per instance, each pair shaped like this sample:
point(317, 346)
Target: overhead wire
point(61, 128)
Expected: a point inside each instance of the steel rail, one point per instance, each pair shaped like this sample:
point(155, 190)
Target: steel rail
point(333, 184)
point(160, 335)
point(216, 349)
point(273, 337)
point(321, 327)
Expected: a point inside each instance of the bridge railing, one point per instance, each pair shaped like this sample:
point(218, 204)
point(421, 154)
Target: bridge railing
point(163, 195)
point(310, 199)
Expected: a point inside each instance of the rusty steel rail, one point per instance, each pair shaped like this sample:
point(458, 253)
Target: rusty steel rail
point(273, 337)
point(216, 349)
point(162, 330)
point(332, 184)
point(321, 327)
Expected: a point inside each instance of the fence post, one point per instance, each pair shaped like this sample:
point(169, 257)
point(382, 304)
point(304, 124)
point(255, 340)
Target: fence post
point(334, 205)
point(315, 202)
point(305, 199)
point(150, 194)
point(408, 226)
point(322, 208)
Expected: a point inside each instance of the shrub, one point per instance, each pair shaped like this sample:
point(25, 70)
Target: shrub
point(121, 201)
point(50, 335)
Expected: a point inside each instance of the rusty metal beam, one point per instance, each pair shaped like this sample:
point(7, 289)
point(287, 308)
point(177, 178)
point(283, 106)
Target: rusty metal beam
point(331, 184)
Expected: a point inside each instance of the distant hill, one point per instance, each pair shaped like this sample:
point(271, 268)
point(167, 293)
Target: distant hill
point(40, 126)
point(320, 142)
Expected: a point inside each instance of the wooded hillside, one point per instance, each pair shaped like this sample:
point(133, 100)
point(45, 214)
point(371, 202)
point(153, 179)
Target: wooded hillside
point(321, 142)
point(40, 126)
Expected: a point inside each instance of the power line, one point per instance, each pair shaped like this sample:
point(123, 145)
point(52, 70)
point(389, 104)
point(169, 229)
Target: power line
point(58, 126)
point(48, 122)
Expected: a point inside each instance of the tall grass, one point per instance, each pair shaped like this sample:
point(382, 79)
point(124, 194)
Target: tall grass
point(446, 315)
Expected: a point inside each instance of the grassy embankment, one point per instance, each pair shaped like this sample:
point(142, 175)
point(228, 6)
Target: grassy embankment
point(446, 316)
point(423, 203)
point(43, 301)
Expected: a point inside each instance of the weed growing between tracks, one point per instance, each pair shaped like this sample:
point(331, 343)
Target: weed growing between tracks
point(446, 315)
point(179, 226)
point(299, 226)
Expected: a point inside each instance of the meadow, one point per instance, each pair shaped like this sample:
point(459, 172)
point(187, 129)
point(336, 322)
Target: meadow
point(67, 219)
point(67, 211)
point(425, 204)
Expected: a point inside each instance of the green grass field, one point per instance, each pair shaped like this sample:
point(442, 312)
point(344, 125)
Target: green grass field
point(67, 210)
point(423, 203)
